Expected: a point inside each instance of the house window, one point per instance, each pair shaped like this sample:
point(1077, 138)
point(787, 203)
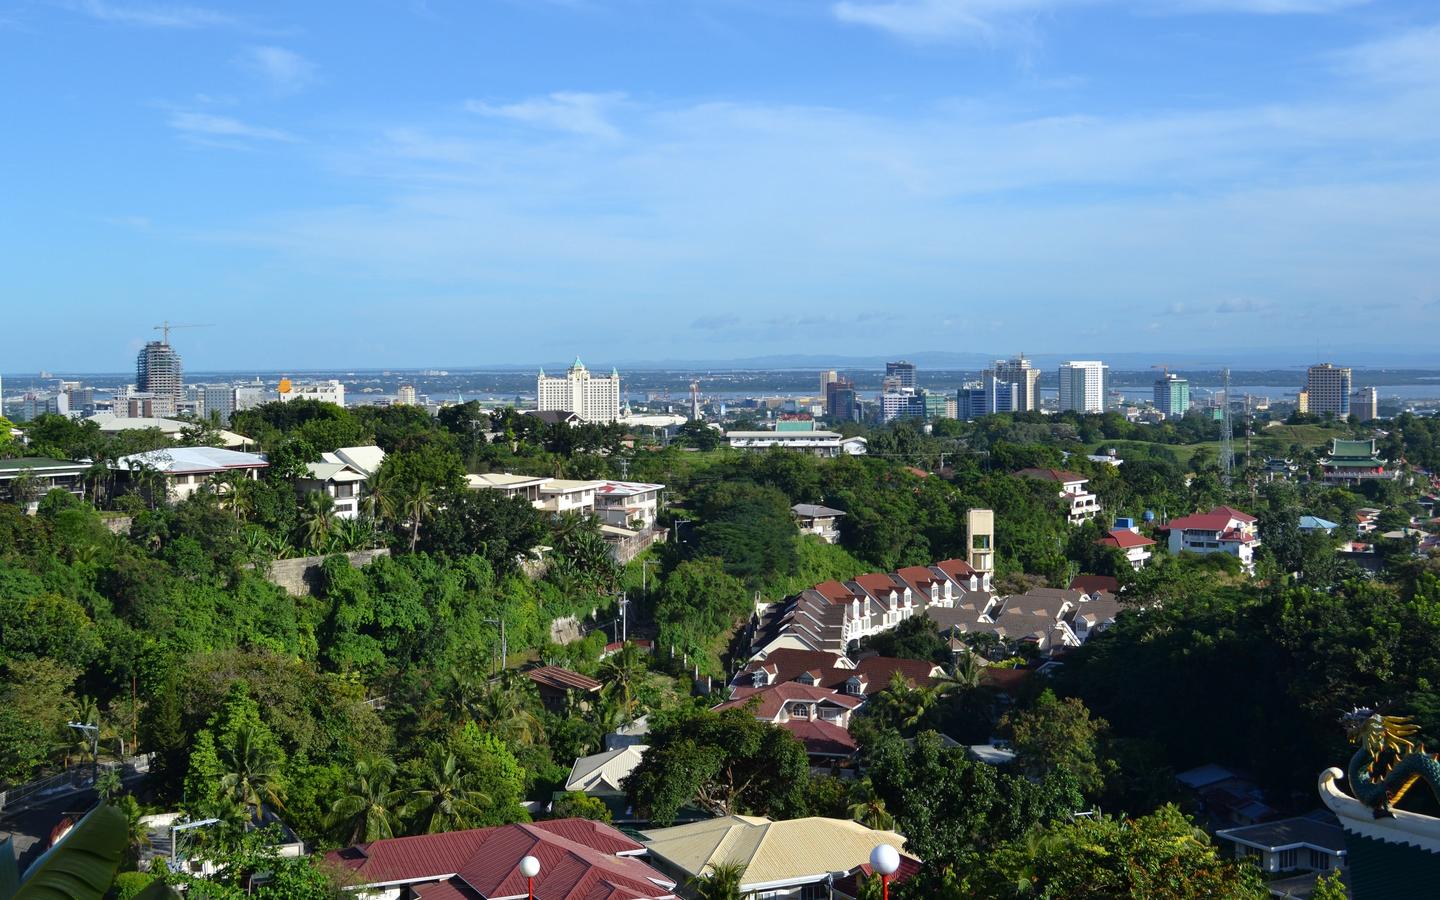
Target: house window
point(800, 711)
point(854, 688)
point(1319, 860)
point(1288, 859)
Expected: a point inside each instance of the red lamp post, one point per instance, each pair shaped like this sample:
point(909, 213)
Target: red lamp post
point(530, 867)
point(885, 859)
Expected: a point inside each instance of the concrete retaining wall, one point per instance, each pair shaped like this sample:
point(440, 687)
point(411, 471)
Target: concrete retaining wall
point(301, 575)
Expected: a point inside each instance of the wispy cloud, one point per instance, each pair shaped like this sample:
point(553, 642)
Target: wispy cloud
point(572, 111)
point(943, 20)
point(212, 126)
point(154, 16)
point(1409, 58)
point(283, 70)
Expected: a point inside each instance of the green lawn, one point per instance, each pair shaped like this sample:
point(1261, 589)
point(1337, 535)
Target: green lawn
point(1274, 441)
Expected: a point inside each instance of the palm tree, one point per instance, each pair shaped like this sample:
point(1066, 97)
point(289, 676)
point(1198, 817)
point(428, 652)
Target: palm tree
point(417, 507)
point(722, 883)
point(379, 499)
point(965, 674)
point(316, 519)
point(447, 802)
point(623, 673)
point(370, 810)
point(252, 771)
point(137, 833)
point(867, 807)
point(505, 710)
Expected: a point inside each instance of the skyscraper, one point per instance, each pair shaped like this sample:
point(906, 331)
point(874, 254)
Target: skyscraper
point(1364, 404)
point(1014, 381)
point(1328, 390)
point(594, 398)
point(903, 372)
point(1082, 386)
point(405, 395)
point(840, 403)
point(158, 373)
point(827, 378)
point(1172, 395)
point(901, 404)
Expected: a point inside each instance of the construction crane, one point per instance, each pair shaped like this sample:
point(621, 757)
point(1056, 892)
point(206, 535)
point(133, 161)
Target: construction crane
point(1163, 367)
point(166, 328)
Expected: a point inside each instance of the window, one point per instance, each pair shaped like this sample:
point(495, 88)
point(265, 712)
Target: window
point(1320, 860)
point(1288, 859)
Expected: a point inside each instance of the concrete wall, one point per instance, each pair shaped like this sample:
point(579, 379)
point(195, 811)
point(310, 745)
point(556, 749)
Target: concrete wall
point(300, 576)
point(565, 631)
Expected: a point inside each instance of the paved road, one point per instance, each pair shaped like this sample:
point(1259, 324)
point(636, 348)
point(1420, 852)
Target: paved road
point(30, 828)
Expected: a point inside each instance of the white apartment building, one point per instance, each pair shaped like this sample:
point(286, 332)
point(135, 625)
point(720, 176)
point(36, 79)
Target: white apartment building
point(819, 443)
point(594, 398)
point(1221, 530)
point(1327, 390)
point(1080, 504)
point(1082, 386)
point(1011, 386)
point(332, 391)
point(628, 504)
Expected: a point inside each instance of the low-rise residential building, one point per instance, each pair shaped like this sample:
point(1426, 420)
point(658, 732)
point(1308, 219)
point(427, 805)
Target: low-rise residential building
point(825, 444)
point(1081, 505)
point(1314, 843)
point(579, 860)
point(605, 773)
point(341, 475)
point(1126, 538)
point(628, 504)
point(526, 487)
point(795, 858)
point(821, 521)
point(27, 480)
point(1221, 530)
point(1315, 523)
point(562, 495)
point(183, 470)
point(559, 687)
point(1354, 462)
point(174, 429)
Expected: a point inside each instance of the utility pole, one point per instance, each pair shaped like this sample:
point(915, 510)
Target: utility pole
point(645, 565)
point(94, 732)
point(1227, 435)
point(624, 618)
point(504, 646)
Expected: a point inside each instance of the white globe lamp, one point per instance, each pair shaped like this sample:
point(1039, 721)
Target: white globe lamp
point(885, 859)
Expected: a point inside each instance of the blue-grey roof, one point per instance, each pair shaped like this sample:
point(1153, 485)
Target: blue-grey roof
point(1316, 523)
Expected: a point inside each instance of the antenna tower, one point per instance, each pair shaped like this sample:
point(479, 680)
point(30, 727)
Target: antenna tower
point(1227, 434)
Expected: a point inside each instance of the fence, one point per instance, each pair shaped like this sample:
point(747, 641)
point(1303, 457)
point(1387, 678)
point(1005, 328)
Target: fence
point(70, 781)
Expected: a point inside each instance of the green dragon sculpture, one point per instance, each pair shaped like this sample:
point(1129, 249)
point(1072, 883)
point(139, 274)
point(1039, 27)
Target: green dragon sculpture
point(1387, 763)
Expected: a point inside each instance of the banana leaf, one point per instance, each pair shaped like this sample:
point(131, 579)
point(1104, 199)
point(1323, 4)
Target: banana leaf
point(82, 865)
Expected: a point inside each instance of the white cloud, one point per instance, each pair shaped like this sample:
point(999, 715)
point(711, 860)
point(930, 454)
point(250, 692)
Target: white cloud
point(154, 16)
point(572, 111)
point(284, 70)
point(1408, 58)
point(206, 125)
point(940, 20)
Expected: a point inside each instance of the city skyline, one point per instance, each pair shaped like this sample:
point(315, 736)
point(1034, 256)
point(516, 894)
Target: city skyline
point(1177, 174)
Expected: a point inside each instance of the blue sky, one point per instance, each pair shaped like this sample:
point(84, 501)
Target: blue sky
point(464, 182)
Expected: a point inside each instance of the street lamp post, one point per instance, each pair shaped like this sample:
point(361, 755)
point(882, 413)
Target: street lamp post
point(530, 867)
point(885, 859)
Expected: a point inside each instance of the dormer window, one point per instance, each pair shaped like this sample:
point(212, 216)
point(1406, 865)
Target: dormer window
point(807, 678)
point(758, 679)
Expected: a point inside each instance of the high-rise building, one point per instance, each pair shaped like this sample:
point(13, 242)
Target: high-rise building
point(901, 404)
point(903, 372)
point(217, 401)
point(1328, 390)
point(1364, 404)
point(827, 378)
point(970, 401)
point(158, 373)
point(840, 402)
point(405, 395)
point(1082, 386)
point(1023, 393)
point(938, 405)
point(594, 398)
point(1172, 395)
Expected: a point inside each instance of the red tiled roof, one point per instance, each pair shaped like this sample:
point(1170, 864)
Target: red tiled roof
point(850, 884)
point(834, 591)
point(1057, 475)
point(877, 583)
point(1008, 681)
point(774, 698)
point(562, 679)
point(578, 861)
point(1125, 539)
point(958, 569)
point(919, 578)
point(880, 669)
point(1092, 583)
point(822, 738)
point(1217, 519)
